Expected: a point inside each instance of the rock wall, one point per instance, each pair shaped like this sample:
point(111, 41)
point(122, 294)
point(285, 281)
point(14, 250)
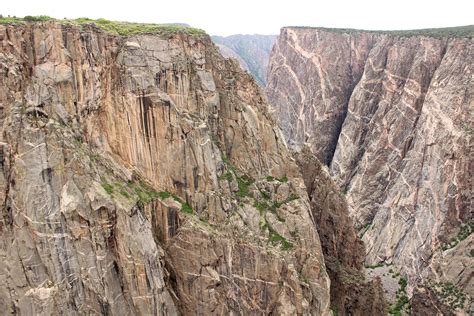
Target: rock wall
point(391, 114)
point(144, 175)
point(344, 252)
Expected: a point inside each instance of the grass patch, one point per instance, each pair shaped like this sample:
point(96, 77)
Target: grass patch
point(186, 208)
point(261, 206)
point(143, 191)
point(276, 238)
point(283, 179)
point(163, 195)
point(290, 198)
point(244, 182)
point(227, 176)
point(109, 188)
point(39, 18)
point(125, 194)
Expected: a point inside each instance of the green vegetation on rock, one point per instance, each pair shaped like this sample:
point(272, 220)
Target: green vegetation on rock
point(283, 179)
point(244, 182)
point(277, 238)
point(402, 299)
point(143, 191)
point(375, 266)
point(163, 195)
point(448, 294)
point(107, 186)
point(113, 27)
point(185, 207)
point(262, 201)
point(465, 231)
point(364, 230)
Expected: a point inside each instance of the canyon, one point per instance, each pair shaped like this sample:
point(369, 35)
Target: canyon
point(391, 115)
point(145, 174)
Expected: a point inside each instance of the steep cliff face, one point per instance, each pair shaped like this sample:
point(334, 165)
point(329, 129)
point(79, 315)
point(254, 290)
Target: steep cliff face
point(344, 251)
point(251, 51)
point(145, 175)
point(391, 114)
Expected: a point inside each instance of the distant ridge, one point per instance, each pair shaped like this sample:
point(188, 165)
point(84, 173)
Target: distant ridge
point(251, 51)
point(456, 31)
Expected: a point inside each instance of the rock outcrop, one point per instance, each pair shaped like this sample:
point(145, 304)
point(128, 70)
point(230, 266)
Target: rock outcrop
point(391, 114)
point(344, 251)
point(144, 175)
point(251, 51)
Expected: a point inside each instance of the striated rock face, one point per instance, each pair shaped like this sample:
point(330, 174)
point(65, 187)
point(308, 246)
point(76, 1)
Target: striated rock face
point(144, 175)
point(392, 117)
point(251, 51)
point(344, 252)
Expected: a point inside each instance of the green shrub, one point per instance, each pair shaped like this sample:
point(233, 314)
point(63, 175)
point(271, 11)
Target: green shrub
point(39, 18)
point(448, 294)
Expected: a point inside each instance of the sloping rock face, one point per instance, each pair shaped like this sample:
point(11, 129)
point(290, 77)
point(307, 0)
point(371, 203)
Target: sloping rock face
point(144, 175)
point(251, 51)
point(392, 116)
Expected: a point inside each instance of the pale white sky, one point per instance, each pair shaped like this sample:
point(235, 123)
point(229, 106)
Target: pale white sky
point(259, 16)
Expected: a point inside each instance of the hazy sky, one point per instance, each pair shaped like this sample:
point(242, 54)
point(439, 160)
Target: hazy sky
point(262, 17)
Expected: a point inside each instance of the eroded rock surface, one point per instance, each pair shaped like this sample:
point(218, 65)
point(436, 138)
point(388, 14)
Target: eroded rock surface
point(392, 116)
point(144, 175)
